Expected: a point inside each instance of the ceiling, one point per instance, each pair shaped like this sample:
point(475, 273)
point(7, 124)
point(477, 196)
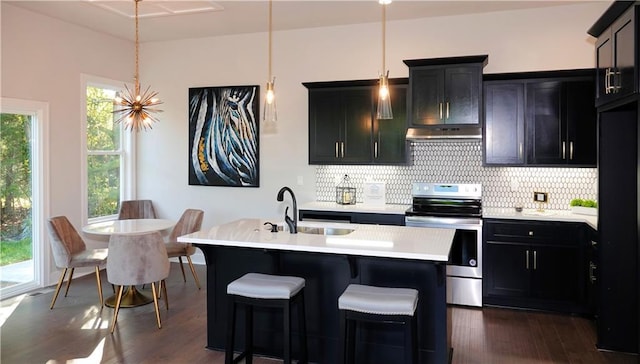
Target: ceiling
point(162, 20)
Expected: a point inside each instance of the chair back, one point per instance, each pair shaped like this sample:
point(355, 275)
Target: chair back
point(190, 221)
point(65, 240)
point(136, 209)
point(137, 259)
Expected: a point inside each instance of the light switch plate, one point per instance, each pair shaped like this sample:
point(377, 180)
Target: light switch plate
point(540, 197)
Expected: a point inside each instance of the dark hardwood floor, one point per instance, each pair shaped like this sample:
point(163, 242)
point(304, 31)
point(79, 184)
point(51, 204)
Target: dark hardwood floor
point(76, 330)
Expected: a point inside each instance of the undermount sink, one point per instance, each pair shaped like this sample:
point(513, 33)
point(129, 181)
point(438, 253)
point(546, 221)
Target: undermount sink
point(320, 230)
point(538, 213)
point(323, 230)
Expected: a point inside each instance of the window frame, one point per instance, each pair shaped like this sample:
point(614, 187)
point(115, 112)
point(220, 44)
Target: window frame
point(127, 150)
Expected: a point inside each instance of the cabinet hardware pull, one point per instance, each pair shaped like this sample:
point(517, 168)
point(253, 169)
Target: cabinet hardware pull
point(341, 149)
point(535, 260)
point(564, 150)
point(336, 149)
point(375, 150)
point(606, 81)
point(570, 150)
point(592, 277)
point(520, 150)
point(527, 261)
point(447, 109)
point(440, 107)
point(594, 243)
point(530, 232)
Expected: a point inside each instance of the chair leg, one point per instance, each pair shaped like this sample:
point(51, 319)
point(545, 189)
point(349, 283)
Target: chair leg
point(343, 338)
point(69, 282)
point(193, 271)
point(163, 286)
point(182, 269)
point(55, 295)
point(99, 286)
point(155, 303)
point(117, 308)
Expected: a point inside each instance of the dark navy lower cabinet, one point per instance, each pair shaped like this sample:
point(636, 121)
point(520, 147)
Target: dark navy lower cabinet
point(536, 265)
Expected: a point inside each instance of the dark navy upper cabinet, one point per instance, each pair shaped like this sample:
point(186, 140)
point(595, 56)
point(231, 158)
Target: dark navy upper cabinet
point(445, 91)
point(343, 128)
point(616, 52)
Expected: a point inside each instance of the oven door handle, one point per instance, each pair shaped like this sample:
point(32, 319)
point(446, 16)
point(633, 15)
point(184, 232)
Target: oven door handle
point(446, 223)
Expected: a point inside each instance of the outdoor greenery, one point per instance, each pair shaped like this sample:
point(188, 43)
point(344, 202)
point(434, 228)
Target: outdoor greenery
point(103, 164)
point(15, 184)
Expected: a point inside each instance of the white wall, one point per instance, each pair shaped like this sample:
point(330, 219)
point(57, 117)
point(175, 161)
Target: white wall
point(42, 59)
point(541, 39)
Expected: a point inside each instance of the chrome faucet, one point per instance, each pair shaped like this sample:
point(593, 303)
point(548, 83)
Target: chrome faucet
point(291, 223)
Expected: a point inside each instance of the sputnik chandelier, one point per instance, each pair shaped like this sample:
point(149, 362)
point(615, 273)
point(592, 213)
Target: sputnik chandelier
point(135, 108)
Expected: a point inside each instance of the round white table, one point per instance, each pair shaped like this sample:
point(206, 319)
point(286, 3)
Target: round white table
point(105, 229)
point(132, 226)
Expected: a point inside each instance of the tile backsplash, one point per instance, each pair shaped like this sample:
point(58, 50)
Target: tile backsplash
point(461, 162)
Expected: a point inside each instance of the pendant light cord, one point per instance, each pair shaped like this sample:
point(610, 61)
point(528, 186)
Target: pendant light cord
point(384, 17)
point(270, 30)
point(136, 75)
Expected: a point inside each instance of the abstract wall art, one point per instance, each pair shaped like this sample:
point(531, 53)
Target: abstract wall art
point(223, 136)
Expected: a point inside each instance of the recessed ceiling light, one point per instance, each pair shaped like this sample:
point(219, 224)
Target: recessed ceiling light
point(157, 8)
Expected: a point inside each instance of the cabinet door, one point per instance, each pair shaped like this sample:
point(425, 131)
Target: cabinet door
point(504, 123)
point(581, 120)
point(506, 271)
point(427, 92)
point(624, 38)
point(390, 144)
point(462, 93)
point(546, 133)
point(604, 62)
point(326, 119)
point(555, 273)
point(356, 138)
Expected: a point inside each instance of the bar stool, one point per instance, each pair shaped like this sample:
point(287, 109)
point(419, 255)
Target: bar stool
point(378, 304)
point(255, 289)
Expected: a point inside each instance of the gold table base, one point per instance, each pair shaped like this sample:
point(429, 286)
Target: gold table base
point(131, 298)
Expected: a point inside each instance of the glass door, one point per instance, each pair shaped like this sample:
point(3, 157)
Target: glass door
point(20, 197)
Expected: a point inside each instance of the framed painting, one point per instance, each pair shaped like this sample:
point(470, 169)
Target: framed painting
point(223, 136)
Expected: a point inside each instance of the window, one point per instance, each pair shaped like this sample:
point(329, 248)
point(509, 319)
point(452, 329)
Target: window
point(108, 178)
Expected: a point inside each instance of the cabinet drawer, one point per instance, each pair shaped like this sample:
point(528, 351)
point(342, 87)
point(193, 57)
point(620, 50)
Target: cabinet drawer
point(533, 231)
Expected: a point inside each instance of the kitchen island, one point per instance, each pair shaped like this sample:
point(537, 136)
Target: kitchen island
point(390, 256)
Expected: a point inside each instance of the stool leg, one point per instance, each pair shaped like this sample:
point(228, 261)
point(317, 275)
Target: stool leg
point(231, 328)
point(287, 332)
point(351, 341)
point(414, 340)
point(304, 358)
point(248, 332)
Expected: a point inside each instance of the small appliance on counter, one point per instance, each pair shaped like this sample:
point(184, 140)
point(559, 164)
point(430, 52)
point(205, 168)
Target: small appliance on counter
point(345, 192)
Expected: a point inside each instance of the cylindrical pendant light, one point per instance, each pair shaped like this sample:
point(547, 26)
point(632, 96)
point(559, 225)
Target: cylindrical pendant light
point(270, 115)
point(384, 97)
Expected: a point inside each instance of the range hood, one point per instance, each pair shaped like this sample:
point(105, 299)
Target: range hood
point(459, 132)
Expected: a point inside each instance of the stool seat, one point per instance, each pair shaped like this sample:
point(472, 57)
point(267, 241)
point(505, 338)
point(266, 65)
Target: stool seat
point(265, 286)
point(379, 300)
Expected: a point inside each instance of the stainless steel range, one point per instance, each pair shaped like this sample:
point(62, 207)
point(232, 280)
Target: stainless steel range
point(454, 206)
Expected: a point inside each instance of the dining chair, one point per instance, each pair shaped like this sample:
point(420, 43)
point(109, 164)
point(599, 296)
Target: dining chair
point(70, 251)
point(136, 209)
point(190, 221)
point(138, 259)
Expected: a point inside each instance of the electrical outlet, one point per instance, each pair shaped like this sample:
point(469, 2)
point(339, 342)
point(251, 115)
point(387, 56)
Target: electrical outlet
point(540, 197)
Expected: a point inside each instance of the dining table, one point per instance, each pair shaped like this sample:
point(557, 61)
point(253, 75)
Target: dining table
point(104, 229)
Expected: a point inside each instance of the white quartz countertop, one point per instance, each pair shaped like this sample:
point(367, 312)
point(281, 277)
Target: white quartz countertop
point(546, 215)
point(366, 240)
point(358, 207)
